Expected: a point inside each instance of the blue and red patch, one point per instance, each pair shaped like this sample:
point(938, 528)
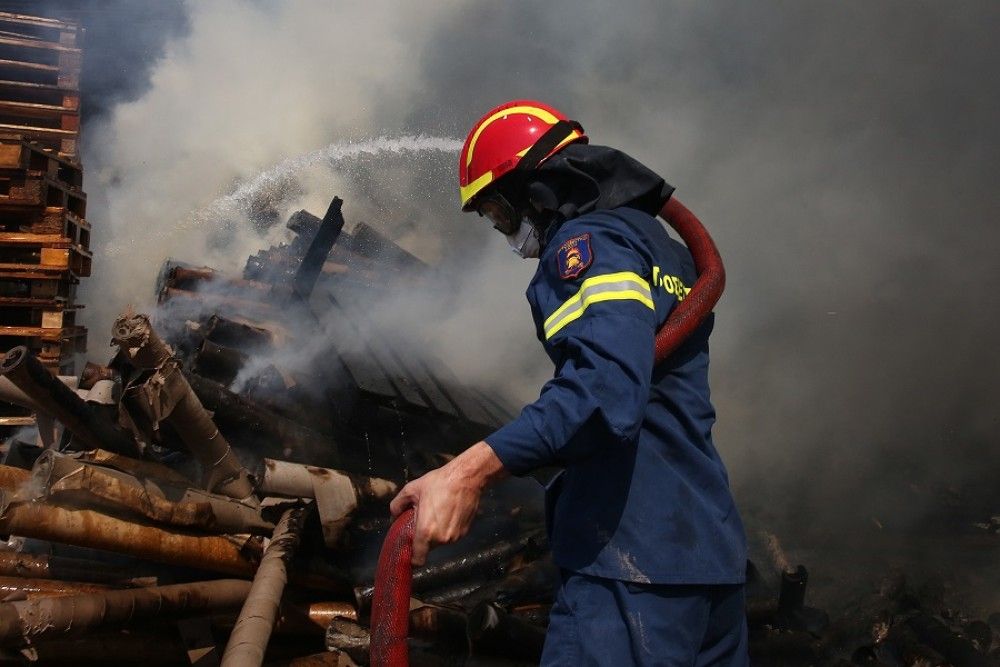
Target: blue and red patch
point(574, 256)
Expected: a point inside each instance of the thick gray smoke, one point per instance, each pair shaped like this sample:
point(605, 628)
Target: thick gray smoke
point(842, 153)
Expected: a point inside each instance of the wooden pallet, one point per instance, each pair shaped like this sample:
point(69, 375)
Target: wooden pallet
point(44, 313)
point(17, 285)
point(40, 93)
point(25, 189)
point(28, 49)
point(66, 33)
point(20, 156)
point(39, 61)
point(65, 142)
point(33, 256)
point(36, 118)
point(52, 346)
point(54, 222)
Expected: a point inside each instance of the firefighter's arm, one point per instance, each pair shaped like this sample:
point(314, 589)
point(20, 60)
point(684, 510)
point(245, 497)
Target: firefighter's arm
point(446, 499)
point(602, 324)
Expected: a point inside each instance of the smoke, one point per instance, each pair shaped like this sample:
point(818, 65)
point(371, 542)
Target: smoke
point(842, 153)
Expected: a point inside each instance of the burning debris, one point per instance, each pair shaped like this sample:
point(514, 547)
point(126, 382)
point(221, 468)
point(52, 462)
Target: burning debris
point(207, 448)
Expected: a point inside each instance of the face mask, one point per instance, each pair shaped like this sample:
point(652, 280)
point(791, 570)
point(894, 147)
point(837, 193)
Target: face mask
point(524, 242)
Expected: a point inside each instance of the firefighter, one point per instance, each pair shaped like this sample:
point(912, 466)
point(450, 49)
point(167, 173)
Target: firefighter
point(642, 523)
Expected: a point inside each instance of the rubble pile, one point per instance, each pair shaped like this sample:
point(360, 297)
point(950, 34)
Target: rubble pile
point(240, 449)
point(44, 235)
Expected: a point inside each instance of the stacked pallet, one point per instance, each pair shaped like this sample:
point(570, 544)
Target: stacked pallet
point(44, 236)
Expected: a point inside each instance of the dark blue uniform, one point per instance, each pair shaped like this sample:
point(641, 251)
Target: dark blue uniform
point(642, 514)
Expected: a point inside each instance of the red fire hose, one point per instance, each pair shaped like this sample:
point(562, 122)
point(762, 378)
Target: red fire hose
point(688, 314)
point(394, 576)
point(391, 600)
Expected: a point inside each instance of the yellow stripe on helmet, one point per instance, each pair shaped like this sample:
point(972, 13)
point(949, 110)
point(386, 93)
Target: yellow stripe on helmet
point(467, 192)
point(541, 114)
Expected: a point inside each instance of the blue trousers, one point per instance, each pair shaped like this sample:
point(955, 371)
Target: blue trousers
point(599, 621)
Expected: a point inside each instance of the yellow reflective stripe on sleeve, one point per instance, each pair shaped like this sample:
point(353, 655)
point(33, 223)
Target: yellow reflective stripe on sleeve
point(621, 286)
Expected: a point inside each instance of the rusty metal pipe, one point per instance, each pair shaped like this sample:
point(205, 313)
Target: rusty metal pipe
point(257, 618)
point(338, 494)
point(33, 620)
point(10, 586)
point(13, 479)
point(297, 480)
point(87, 528)
point(483, 565)
point(39, 566)
point(144, 469)
point(92, 426)
point(173, 401)
point(67, 481)
point(146, 648)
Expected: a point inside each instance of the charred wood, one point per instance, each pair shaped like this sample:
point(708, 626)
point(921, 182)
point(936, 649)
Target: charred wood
point(219, 363)
point(131, 648)
point(255, 424)
point(493, 630)
point(171, 399)
point(318, 250)
point(481, 566)
point(87, 423)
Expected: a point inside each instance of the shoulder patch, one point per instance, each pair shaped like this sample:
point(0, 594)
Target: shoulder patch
point(574, 256)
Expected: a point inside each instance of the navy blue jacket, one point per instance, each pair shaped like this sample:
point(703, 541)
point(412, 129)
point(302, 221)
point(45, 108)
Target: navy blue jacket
point(644, 496)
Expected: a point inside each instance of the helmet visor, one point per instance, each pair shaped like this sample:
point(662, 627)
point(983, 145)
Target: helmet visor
point(498, 210)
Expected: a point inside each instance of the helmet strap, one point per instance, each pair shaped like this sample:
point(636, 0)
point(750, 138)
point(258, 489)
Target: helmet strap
point(547, 143)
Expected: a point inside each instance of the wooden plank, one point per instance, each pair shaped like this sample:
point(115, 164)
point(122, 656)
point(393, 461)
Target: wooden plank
point(40, 21)
point(31, 274)
point(34, 191)
point(72, 260)
point(471, 408)
point(379, 351)
point(17, 421)
point(42, 131)
point(41, 333)
point(38, 44)
point(35, 219)
point(364, 370)
point(20, 64)
point(27, 238)
point(36, 109)
point(38, 302)
point(20, 155)
point(427, 386)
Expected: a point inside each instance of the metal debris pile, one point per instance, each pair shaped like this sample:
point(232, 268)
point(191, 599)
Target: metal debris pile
point(218, 491)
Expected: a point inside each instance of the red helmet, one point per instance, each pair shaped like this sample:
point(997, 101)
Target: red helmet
point(501, 138)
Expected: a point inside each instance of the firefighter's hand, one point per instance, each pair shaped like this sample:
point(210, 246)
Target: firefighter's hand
point(446, 499)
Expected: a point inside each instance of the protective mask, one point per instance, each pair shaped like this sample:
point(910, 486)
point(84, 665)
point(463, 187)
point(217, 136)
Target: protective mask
point(524, 242)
